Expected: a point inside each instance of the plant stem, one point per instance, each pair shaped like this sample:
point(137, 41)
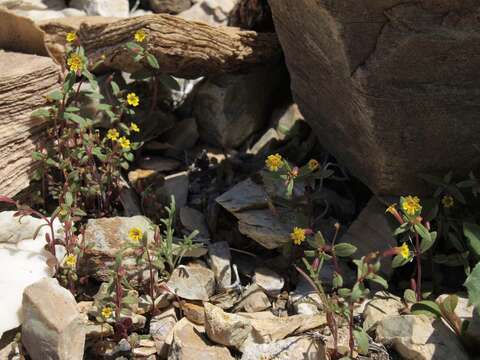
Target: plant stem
point(419, 268)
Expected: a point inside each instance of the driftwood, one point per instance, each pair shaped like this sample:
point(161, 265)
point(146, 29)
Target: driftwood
point(182, 48)
point(24, 80)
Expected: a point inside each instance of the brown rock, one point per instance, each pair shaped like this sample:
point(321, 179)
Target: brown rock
point(389, 86)
point(24, 80)
point(170, 6)
point(161, 330)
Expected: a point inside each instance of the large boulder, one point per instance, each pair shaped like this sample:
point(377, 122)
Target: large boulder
point(391, 87)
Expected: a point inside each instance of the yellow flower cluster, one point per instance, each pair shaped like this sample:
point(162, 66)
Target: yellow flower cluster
point(134, 127)
point(447, 201)
point(298, 235)
point(411, 205)
point(133, 99)
point(113, 134)
point(124, 143)
point(75, 62)
point(135, 234)
point(274, 162)
point(140, 36)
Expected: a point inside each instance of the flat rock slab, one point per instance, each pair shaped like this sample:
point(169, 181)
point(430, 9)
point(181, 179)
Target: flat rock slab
point(24, 81)
point(391, 87)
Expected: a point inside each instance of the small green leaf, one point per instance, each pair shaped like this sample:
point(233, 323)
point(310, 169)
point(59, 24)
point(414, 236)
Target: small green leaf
point(399, 260)
point(69, 82)
point(450, 303)
point(152, 61)
point(426, 307)
point(472, 233)
point(362, 341)
point(41, 113)
point(344, 249)
point(68, 198)
point(379, 280)
point(426, 244)
point(75, 118)
point(473, 287)
point(55, 95)
point(337, 281)
point(410, 296)
point(115, 88)
point(319, 239)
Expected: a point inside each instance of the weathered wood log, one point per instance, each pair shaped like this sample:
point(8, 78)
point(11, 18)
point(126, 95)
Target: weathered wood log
point(24, 80)
point(183, 48)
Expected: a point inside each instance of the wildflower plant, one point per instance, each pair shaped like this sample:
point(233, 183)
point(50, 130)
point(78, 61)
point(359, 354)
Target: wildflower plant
point(78, 162)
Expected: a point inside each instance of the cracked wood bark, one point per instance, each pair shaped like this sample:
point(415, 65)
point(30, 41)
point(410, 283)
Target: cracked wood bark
point(391, 86)
point(24, 79)
point(183, 48)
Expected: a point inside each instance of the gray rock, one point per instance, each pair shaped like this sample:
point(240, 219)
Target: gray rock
point(381, 306)
point(107, 8)
point(40, 15)
point(183, 135)
point(269, 281)
point(253, 300)
point(161, 330)
point(176, 185)
point(192, 283)
point(419, 337)
point(220, 257)
point(53, 328)
point(159, 164)
point(292, 348)
point(247, 202)
point(33, 4)
point(371, 232)
point(190, 342)
point(212, 12)
point(170, 6)
point(230, 108)
point(193, 219)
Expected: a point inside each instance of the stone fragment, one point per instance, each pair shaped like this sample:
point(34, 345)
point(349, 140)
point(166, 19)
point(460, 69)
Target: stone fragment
point(176, 185)
point(53, 328)
point(220, 257)
point(193, 219)
point(40, 15)
point(381, 306)
point(194, 313)
point(224, 328)
point(106, 8)
point(212, 12)
point(269, 281)
point(161, 330)
point(192, 283)
point(190, 342)
point(371, 232)
point(27, 257)
point(247, 201)
point(159, 164)
point(30, 80)
point(419, 337)
point(183, 136)
point(365, 101)
point(230, 108)
point(253, 300)
point(170, 6)
point(292, 348)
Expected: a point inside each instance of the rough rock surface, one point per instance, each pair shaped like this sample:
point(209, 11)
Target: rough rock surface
point(117, 8)
point(381, 306)
point(384, 81)
point(170, 6)
point(192, 282)
point(213, 12)
point(24, 80)
point(53, 328)
point(416, 337)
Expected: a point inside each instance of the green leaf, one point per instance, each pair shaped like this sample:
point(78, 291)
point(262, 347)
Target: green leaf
point(37, 156)
point(362, 340)
point(319, 239)
point(401, 229)
point(344, 249)
point(379, 280)
point(128, 156)
point(129, 300)
point(75, 118)
point(68, 198)
point(473, 287)
point(472, 233)
point(133, 46)
point(450, 303)
point(399, 260)
point(41, 113)
point(410, 296)
point(104, 107)
point(115, 88)
point(98, 153)
point(69, 82)
point(426, 244)
point(426, 307)
point(152, 61)
point(337, 281)
point(72, 109)
point(55, 95)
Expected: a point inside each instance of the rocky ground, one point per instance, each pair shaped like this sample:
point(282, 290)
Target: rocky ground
point(233, 292)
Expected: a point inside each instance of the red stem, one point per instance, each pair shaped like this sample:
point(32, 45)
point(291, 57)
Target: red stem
point(419, 268)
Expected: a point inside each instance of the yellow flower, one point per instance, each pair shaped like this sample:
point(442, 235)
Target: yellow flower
point(107, 312)
point(411, 205)
point(140, 36)
point(124, 142)
point(404, 251)
point(113, 134)
point(75, 62)
point(274, 162)
point(132, 99)
point(71, 261)
point(134, 127)
point(71, 37)
point(135, 234)
point(313, 165)
point(392, 209)
point(448, 201)
point(298, 235)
